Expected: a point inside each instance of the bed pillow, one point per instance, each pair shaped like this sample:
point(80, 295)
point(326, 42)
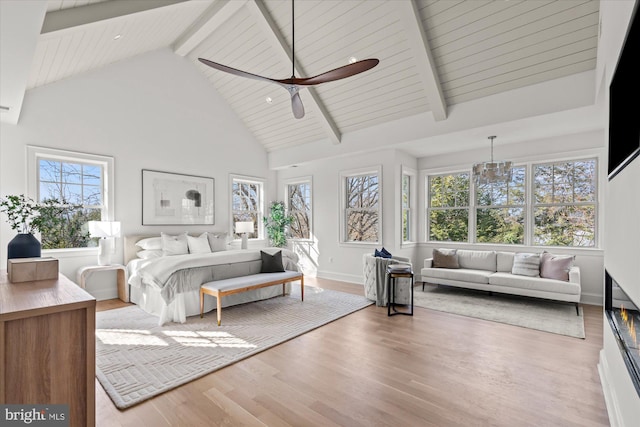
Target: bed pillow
point(174, 245)
point(218, 241)
point(198, 245)
point(555, 266)
point(445, 258)
point(271, 263)
point(526, 264)
point(149, 253)
point(151, 243)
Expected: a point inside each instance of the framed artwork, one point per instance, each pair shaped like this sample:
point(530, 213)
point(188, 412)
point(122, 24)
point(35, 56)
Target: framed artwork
point(177, 199)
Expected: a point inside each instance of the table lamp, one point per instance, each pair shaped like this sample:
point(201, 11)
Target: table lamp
point(244, 227)
point(105, 230)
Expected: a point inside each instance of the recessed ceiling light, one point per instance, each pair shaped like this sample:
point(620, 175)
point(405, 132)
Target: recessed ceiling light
point(269, 100)
point(117, 36)
point(353, 59)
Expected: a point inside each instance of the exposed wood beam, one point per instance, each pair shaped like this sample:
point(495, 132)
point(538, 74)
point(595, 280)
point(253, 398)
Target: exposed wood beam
point(94, 12)
point(270, 30)
point(215, 15)
point(424, 58)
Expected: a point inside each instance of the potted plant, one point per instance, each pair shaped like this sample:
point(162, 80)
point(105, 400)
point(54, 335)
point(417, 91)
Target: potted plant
point(276, 224)
point(23, 215)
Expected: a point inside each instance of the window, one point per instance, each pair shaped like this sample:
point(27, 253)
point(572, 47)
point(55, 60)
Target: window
point(75, 187)
point(448, 208)
point(299, 206)
point(407, 203)
point(361, 207)
point(565, 203)
point(247, 203)
point(500, 209)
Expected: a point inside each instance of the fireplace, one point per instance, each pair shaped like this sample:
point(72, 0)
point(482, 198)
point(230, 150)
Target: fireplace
point(624, 319)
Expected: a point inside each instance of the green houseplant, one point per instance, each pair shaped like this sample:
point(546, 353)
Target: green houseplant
point(23, 215)
point(276, 224)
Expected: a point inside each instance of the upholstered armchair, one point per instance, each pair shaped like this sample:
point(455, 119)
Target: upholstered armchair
point(376, 280)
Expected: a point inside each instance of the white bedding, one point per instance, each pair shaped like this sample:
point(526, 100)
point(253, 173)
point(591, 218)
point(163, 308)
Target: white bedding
point(169, 286)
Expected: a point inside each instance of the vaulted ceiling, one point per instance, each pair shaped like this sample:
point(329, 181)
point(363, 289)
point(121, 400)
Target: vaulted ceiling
point(434, 54)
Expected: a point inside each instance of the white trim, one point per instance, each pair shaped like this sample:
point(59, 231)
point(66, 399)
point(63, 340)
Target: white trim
point(413, 205)
point(342, 236)
point(300, 180)
point(250, 180)
point(341, 277)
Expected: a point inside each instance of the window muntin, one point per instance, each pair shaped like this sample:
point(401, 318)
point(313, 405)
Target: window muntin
point(361, 207)
point(299, 206)
point(500, 210)
point(247, 204)
point(406, 208)
point(448, 209)
point(564, 207)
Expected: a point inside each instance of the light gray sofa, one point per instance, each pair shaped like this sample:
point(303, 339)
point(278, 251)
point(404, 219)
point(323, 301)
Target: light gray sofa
point(491, 271)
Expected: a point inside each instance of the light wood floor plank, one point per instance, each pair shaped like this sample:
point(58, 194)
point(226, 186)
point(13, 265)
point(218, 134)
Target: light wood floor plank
point(367, 369)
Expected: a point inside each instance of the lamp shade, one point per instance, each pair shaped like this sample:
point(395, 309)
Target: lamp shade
point(104, 228)
point(244, 227)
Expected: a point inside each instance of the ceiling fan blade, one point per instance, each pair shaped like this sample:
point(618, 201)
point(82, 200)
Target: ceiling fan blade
point(335, 74)
point(235, 72)
point(296, 105)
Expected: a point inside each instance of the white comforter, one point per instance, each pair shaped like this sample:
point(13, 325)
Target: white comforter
point(157, 271)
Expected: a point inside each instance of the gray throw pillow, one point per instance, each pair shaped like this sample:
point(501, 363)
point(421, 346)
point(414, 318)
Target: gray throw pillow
point(555, 266)
point(445, 258)
point(526, 264)
point(271, 263)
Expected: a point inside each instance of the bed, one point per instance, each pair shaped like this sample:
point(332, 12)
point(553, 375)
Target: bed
point(168, 286)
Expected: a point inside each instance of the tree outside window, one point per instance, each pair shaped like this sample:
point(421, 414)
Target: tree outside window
point(246, 202)
point(299, 207)
point(500, 211)
point(406, 208)
point(565, 203)
point(74, 192)
point(448, 209)
point(362, 208)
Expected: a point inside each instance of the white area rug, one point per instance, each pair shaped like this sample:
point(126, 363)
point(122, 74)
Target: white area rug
point(549, 316)
point(136, 359)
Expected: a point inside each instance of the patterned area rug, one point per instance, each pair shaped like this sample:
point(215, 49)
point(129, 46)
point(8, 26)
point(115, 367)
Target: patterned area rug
point(533, 313)
point(136, 359)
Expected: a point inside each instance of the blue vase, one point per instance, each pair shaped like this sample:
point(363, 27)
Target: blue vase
point(24, 245)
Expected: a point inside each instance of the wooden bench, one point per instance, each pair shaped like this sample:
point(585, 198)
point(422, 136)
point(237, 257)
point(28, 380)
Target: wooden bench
point(234, 285)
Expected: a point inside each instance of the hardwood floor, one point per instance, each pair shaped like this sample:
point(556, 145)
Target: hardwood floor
point(367, 369)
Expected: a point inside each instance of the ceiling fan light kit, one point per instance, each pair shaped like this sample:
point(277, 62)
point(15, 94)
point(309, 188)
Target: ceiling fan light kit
point(294, 84)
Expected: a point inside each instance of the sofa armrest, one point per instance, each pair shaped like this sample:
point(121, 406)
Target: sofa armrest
point(428, 262)
point(574, 274)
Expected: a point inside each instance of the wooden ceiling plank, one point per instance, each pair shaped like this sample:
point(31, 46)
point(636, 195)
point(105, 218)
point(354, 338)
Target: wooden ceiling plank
point(212, 18)
point(424, 58)
point(259, 10)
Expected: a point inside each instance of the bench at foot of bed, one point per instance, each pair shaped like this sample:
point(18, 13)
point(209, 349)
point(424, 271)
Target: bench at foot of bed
point(234, 285)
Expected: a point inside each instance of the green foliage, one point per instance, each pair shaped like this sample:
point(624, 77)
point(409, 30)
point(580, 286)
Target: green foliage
point(62, 225)
point(276, 224)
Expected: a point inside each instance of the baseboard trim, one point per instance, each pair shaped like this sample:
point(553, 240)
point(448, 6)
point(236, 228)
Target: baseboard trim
point(591, 299)
point(349, 278)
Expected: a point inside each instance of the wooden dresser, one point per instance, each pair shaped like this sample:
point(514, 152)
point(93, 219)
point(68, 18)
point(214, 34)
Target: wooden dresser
point(47, 346)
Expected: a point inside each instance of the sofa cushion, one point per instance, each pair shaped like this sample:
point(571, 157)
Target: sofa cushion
point(534, 284)
point(477, 260)
point(504, 261)
point(555, 266)
point(445, 258)
point(466, 275)
point(526, 264)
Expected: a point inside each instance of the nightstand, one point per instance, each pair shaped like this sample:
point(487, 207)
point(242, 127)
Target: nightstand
point(123, 286)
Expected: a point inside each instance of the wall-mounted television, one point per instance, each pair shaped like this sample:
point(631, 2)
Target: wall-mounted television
point(624, 101)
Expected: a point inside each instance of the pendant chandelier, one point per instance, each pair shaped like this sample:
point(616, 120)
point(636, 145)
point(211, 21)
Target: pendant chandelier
point(493, 171)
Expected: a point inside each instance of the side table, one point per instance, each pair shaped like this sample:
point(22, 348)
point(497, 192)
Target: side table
point(392, 276)
point(123, 286)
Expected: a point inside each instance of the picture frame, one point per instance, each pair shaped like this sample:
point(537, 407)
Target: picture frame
point(177, 199)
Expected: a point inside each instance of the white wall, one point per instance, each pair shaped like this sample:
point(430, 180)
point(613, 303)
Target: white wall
point(326, 257)
point(155, 111)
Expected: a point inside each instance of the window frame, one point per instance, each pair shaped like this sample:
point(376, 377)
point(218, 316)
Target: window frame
point(297, 181)
point(35, 153)
point(469, 207)
point(344, 175)
point(413, 232)
point(261, 205)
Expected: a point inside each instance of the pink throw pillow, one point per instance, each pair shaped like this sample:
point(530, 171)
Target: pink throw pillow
point(555, 266)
